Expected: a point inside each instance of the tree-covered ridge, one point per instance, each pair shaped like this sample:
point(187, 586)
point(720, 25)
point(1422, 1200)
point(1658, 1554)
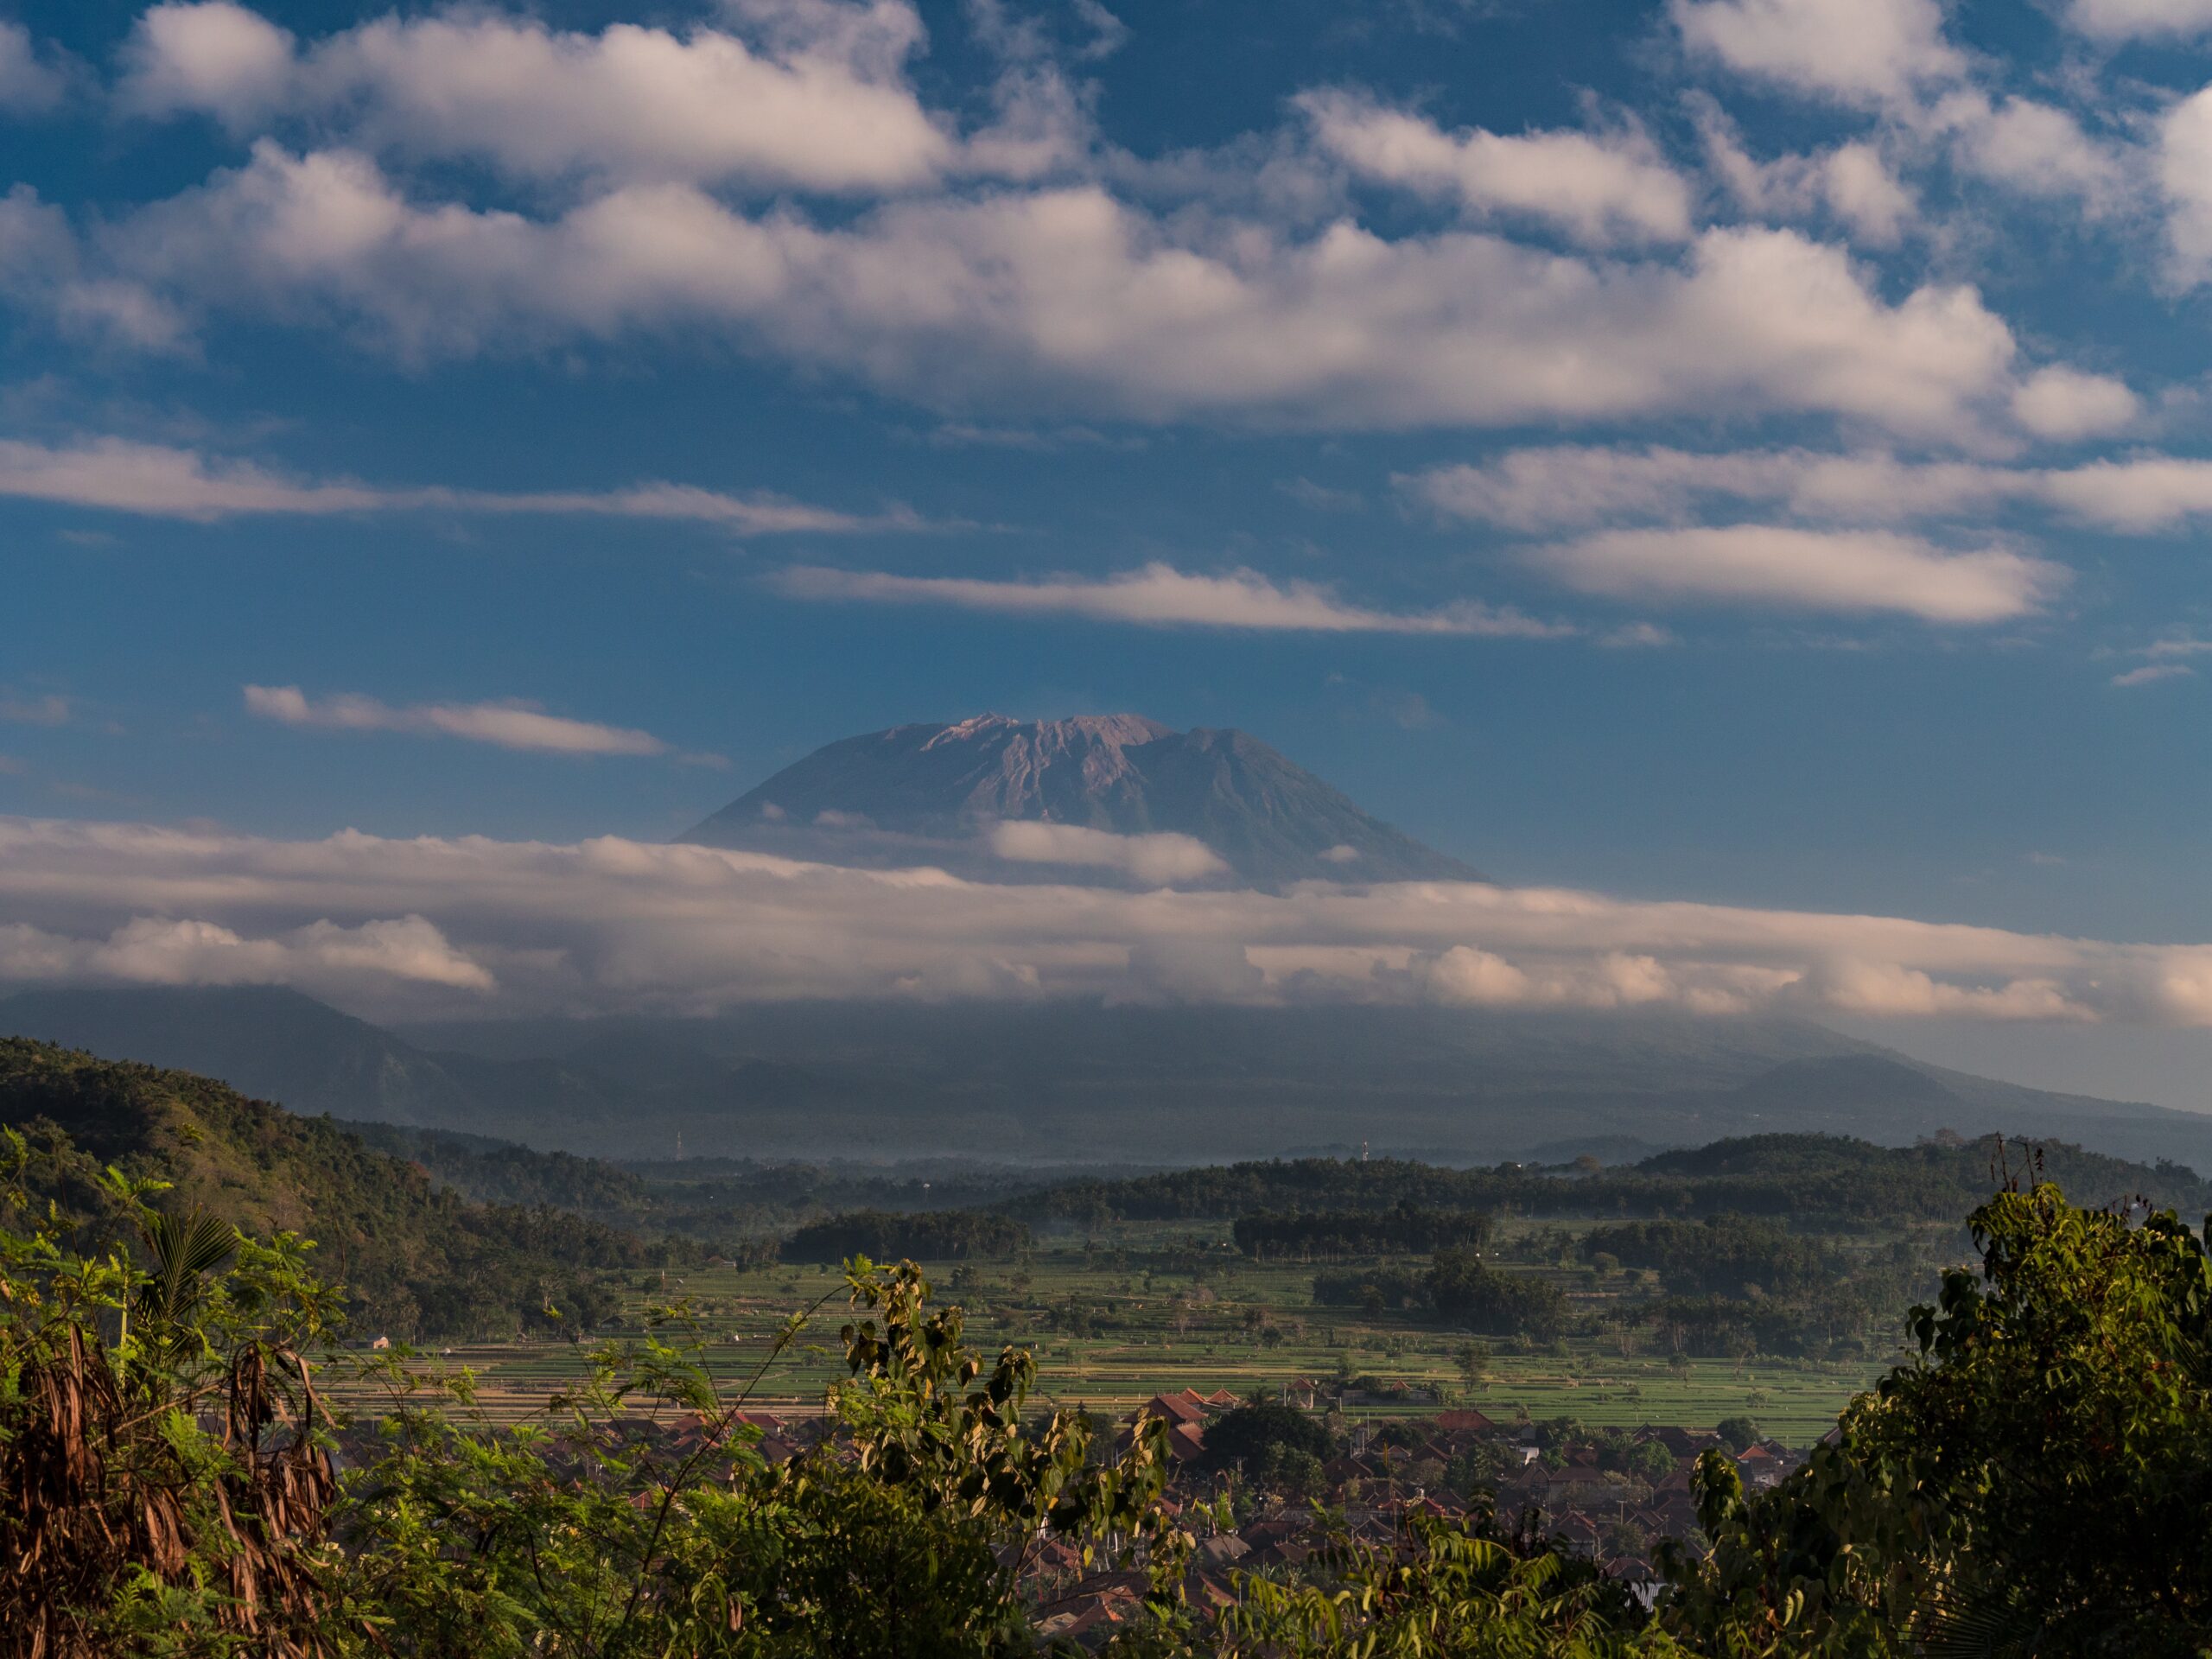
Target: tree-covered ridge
point(929, 1236)
point(1328, 1233)
point(1721, 1256)
point(417, 1259)
point(487, 1171)
point(1810, 1179)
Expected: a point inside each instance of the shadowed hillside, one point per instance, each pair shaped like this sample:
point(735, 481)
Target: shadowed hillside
point(417, 1259)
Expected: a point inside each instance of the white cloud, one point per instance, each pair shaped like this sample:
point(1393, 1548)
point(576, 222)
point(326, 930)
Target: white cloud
point(220, 59)
point(611, 924)
point(1862, 192)
point(1466, 975)
point(2139, 492)
point(2118, 20)
point(1853, 572)
point(1567, 485)
point(1599, 188)
point(511, 725)
point(2037, 149)
point(45, 270)
point(2175, 644)
point(162, 480)
point(371, 959)
point(829, 111)
point(2150, 673)
point(29, 84)
point(1068, 297)
point(1161, 597)
point(2185, 177)
point(1852, 986)
point(1859, 51)
point(2065, 405)
point(2030, 148)
point(1157, 860)
point(1853, 181)
point(1042, 120)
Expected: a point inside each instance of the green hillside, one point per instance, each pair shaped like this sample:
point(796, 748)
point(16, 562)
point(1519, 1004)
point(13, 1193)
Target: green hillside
point(417, 1259)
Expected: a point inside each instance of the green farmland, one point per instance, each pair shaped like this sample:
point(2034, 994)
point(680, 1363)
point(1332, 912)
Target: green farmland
point(1139, 1308)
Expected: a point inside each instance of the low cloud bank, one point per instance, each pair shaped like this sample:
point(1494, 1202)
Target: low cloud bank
point(1161, 860)
point(391, 926)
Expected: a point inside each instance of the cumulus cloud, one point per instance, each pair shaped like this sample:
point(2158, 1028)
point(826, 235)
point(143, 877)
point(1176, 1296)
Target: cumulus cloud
point(1159, 596)
point(510, 725)
point(162, 480)
point(219, 59)
point(1568, 486)
point(45, 269)
point(377, 960)
point(1070, 297)
point(1853, 572)
point(2185, 166)
point(1853, 181)
point(30, 83)
point(1852, 985)
point(2037, 149)
point(2065, 403)
point(1862, 192)
point(824, 106)
point(1857, 52)
point(2120, 20)
point(1159, 860)
point(1598, 187)
point(2151, 673)
point(612, 924)
point(1891, 55)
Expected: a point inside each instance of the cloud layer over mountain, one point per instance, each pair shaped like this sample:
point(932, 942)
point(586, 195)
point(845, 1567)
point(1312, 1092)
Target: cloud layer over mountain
point(477, 926)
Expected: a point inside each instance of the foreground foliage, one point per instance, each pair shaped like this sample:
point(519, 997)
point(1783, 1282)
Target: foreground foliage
point(2040, 1481)
point(2036, 1482)
point(165, 1485)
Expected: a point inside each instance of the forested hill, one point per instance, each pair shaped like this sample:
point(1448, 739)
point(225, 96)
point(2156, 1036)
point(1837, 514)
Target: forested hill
point(1811, 1180)
point(418, 1259)
point(490, 1171)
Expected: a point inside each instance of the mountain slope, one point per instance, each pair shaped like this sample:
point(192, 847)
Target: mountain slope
point(418, 1260)
point(932, 791)
point(270, 1041)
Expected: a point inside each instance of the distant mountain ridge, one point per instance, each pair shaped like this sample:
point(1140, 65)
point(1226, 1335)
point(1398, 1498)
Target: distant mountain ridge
point(1066, 1083)
point(933, 791)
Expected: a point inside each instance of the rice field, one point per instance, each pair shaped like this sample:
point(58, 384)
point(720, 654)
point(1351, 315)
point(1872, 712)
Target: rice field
point(1141, 1308)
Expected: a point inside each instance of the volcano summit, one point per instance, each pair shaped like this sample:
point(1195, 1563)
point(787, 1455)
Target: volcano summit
point(948, 794)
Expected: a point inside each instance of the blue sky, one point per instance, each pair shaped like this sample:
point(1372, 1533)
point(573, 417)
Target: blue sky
point(1746, 452)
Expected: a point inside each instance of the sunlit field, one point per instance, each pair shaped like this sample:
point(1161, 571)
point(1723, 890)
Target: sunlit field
point(1113, 1323)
